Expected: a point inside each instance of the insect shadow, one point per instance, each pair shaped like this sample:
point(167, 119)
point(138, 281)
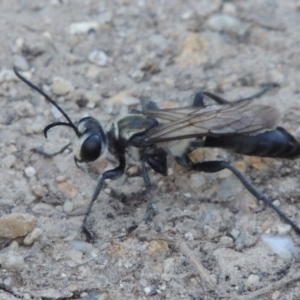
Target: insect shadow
point(241, 127)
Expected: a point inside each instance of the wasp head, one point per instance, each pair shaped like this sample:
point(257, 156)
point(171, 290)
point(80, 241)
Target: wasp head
point(90, 141)
point(90, 144)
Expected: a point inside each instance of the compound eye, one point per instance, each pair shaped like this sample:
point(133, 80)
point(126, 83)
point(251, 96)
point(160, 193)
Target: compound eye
point(91, 148)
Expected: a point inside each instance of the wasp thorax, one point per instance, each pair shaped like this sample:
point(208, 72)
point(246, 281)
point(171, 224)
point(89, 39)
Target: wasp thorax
point(91, 143)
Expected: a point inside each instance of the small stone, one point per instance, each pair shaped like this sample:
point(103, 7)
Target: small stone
point(83, 27)
point(133, 171)
point(275, 295)
point(189, 236)
point(229, 8)
point(197, 180)
point(169, 264)
point(21, 63)
point(82, 246)
point(61, 178)
point(32, 236)
point(34, 48)
point(150, 66)
point(7, 76)
point(226, 241)
point(73, 287)
point(157, 249)
point(24, 109)
point(39, 191)
point(107, 191)
point(60, 86)
point(210, 232)
point(9, 161)
point(68, 206)
point(252, 281)
point(235, 233)
point(128, 100)
point(194, 50)
point(137, 75)
point(67, 188)
point(93, 96)
point(150, 290)
point(30, 172)
point(92, 72)
point(228, 23)
point(98, 57)
point(12, 261)
point(37, 125)
point(283, 229)
point(16, 225)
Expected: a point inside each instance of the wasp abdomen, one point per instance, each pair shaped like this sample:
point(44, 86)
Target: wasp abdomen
point(276, 143)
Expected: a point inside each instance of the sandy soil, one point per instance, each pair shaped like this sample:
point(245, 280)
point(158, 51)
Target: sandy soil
point(99, 58)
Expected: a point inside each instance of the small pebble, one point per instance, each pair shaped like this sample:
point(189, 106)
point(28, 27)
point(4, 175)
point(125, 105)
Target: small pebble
point(150, 290)
point(32, 236)
point(189, 236)
point(283, 229)
point(226, 241)
point(276, 203)
point(98, 57)
point(7, 75)
point(30, 172)
point(21, 63)
point(275, 295)
point(252, 280)
point(12, 261)
point(68, 206)
point(61, 178)
point(16, 225)
point(9, 161)
point(61, 87)
point(24, 109)
point(93, 96)
point(83, 27)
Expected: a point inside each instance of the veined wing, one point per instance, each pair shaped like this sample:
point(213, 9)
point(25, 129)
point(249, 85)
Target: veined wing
point(215, 120)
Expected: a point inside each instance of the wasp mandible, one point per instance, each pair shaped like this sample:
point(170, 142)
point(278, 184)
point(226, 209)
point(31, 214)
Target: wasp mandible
point(241, 127)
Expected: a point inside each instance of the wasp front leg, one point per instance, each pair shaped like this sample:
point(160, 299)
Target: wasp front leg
point(111, 174)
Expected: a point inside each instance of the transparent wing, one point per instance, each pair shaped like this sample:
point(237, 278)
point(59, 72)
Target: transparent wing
point(215, 120)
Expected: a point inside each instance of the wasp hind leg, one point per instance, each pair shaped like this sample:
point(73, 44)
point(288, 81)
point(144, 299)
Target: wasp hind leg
point(198, 99)
point(216, 166)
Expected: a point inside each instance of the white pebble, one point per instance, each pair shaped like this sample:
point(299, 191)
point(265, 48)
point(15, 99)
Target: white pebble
point(276, 203)
point(83, 27)
point(283, 229)
point(82, 246)
point(68, 206)
point(252, 280)
point(32, 236)
point(30, 172)
point(189, 236)
point(98, 57)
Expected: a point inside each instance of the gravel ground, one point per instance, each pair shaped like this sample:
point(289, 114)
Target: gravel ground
point(98, 58)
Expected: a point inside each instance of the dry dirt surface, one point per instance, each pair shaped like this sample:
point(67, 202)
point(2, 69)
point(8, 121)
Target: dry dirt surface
point(99, 58)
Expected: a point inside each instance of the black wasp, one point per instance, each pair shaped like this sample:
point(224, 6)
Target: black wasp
point(240, 126)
